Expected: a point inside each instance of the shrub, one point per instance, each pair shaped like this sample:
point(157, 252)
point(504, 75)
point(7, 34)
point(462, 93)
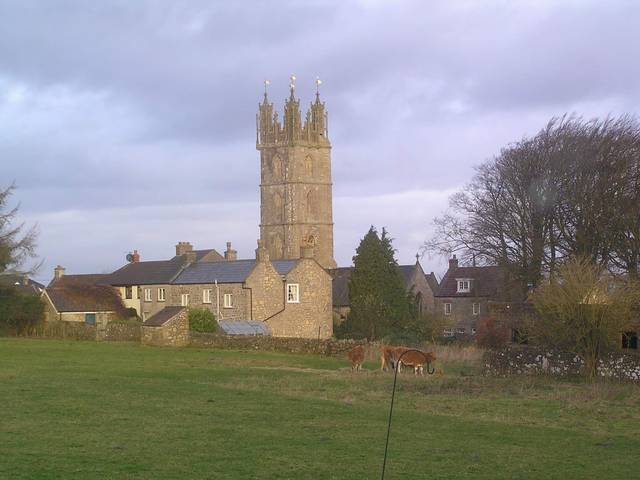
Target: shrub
point(19, 313)
point(491, 334)
point(202, 320)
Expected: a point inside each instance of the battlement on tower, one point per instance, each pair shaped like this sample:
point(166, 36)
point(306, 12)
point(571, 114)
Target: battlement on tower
point(271, 132)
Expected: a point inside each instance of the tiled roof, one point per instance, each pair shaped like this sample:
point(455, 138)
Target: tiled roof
point(485, 282)
point(340, 285)
point(146, 273)
point(85, 298)
point(81, 279)
point(162, 317)
point(235, 271)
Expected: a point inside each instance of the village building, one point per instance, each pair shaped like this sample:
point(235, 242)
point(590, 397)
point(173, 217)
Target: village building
point(81, 298)
point(423, 286)
point(465, 294)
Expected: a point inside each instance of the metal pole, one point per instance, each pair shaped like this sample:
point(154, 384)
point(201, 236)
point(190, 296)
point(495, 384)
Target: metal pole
point(393, 395)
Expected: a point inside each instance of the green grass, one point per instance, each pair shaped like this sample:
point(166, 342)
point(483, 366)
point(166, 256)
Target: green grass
point(83, 410)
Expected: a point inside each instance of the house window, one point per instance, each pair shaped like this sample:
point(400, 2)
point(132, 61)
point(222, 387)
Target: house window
point(90, 318)
point(228, 300)
point(476, 309)
point(447, 332)
point(464, 285)
point(447, 309)
point(184, 300)
point(293, 293)
point(206, 296)
point(461, 331)
point(128, 293)
point(147, 294)
point(630, 340)
point(161, 294)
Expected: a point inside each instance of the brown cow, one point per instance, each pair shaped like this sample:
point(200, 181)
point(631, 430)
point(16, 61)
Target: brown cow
point(418, 360)
point(356, 355)
point(387, 358)
point(397, 351)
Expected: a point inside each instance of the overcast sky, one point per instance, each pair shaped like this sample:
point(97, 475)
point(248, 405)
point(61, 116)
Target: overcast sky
point(131, 125)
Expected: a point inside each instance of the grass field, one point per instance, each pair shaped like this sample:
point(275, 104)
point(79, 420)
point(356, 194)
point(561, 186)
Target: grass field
point(83, 410)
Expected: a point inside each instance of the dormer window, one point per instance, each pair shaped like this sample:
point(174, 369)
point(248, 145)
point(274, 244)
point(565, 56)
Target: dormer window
point(464, 285)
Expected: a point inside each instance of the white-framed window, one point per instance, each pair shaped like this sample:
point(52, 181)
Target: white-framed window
point(228, 300)
point(447, 332)
point(464, 285)
point(206, 296)
point(461, 331)
point(476, 309)
point(128, 293)
point(184, 300)
point(147, 294)
point(161, 294)
point(293, 293)
point(447, 309)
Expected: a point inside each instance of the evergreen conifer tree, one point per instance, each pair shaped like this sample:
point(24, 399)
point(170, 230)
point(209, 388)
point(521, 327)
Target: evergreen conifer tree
point(379, 303)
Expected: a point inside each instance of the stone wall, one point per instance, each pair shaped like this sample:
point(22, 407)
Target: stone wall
point(312, 317)
point(462, 312)
point(174, 332)
point(240, 309)
point(330, 347)
point(525, 360)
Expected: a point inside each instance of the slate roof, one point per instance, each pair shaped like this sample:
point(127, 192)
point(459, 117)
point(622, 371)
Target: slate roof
point(342, 275)
point(162, 317)
point(16, 281)
point(146, 273)
point(235, 271)
point(244, 327)
point(485, 282)
point(200, 254)
point(340, 285)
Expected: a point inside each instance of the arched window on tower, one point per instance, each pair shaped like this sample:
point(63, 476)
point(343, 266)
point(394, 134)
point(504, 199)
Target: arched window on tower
point(419, 302)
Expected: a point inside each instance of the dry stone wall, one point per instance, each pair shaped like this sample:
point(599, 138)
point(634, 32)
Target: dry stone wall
point(521, 360)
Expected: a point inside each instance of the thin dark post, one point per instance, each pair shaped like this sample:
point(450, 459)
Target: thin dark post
point(393, 395)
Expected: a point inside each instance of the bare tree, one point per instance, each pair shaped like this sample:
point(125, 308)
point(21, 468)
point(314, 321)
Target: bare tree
point(571, 190)
point(583, 310)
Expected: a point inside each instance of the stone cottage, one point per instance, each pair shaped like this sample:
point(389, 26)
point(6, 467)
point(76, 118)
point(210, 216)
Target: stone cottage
point(81, 298)
point(464, 295)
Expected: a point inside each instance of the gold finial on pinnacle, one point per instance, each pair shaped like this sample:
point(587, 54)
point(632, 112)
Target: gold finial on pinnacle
point(318, 83)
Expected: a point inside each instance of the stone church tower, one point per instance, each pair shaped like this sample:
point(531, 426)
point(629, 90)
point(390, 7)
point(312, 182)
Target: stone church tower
point(295, 188)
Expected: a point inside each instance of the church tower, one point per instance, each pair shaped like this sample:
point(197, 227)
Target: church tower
point(295, 187)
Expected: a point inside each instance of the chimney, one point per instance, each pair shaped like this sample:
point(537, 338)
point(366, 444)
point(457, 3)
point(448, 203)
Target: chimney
point(230, 254)
point(261, 253)
point(136, 257)
point(25, 279)
point(453, 263)
point(189, 257)
point(58, 272)
point(306, 251)
point(183, 247)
